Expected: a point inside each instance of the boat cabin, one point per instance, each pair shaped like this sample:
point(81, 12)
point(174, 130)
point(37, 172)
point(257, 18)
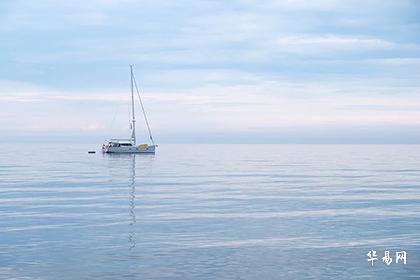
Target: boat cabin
point(120, 143)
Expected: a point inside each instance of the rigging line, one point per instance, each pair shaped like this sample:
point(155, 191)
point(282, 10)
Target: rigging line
point(144, 112)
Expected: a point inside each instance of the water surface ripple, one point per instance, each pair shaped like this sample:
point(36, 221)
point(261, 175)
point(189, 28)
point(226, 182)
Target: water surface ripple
point(209, 212)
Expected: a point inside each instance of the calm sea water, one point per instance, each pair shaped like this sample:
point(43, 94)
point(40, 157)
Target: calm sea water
point(209, 212)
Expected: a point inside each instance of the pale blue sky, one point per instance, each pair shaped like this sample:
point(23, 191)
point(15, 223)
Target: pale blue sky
point(213, 71)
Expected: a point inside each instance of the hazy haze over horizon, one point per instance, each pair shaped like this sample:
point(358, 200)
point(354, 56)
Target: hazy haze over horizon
point(212, 71)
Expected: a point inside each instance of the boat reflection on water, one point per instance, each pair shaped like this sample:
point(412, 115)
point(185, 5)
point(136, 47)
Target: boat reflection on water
point(132, 185)
point(122, 165)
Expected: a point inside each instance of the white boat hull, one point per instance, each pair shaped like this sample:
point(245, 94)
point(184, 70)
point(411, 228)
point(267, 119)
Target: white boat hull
point(130, 149)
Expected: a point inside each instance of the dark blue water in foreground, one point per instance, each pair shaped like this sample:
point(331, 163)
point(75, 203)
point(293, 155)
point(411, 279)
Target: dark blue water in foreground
point(209, 212)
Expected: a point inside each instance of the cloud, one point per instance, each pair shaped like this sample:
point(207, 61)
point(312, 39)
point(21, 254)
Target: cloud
point(414, 61)
point(288, 5)
point(330, 42)
point(259, 107)
point(209, 66)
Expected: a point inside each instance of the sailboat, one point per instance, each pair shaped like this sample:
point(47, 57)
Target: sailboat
point(130, 145)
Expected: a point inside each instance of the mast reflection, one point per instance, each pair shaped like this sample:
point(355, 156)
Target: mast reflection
point(132, 234)
point(128, 162)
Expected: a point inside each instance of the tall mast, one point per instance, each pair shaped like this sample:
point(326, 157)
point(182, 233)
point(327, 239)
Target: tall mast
point(133, 121)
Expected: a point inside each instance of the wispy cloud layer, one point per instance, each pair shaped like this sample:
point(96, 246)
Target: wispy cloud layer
point(210, 66)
